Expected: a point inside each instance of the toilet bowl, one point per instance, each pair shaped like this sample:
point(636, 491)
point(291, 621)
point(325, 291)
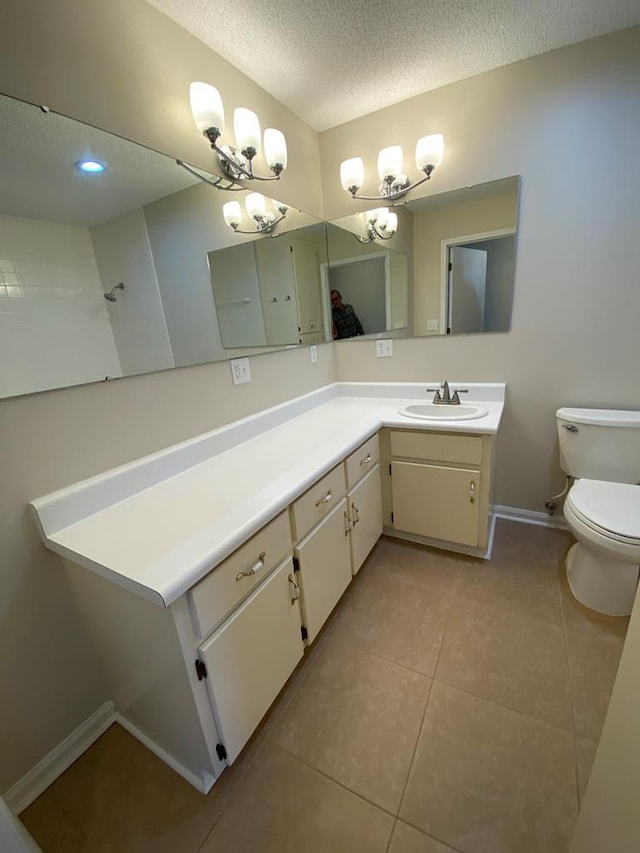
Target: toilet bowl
point(604, 564)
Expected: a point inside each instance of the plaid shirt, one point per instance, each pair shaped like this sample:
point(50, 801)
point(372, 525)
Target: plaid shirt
point(346, 323)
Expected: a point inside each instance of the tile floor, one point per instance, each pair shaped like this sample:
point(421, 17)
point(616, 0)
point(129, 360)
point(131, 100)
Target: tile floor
point(449, 705)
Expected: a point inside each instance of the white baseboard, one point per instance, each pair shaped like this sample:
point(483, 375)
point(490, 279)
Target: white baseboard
point(46, 771)
point(529, 516)
point(202, 783)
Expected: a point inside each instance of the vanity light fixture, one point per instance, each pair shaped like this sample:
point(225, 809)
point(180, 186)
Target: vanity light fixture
point(256, 205)
point(237, 163)
point(394, 183)
point(382, 224)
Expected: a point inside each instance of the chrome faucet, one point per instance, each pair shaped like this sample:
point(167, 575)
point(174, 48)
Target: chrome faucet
point(443, 395)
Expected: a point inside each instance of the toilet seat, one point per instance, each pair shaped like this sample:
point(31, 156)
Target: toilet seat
point(611, 510)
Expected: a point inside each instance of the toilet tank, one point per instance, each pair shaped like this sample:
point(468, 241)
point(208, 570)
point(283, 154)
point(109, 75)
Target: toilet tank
point(601, 444)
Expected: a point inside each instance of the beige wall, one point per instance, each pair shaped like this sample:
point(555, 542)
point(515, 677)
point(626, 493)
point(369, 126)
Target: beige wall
point(568, 123)
point(124, 67)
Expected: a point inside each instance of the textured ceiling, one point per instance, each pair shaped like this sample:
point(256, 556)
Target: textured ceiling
point(330, 61)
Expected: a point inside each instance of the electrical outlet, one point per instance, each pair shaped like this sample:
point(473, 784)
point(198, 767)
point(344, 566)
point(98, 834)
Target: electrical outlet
point(384, 349)
point(432, 325)
point(240, 370)
point(313, 354)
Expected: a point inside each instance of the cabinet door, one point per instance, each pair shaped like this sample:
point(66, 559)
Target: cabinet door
point(365, 514)
point(250, 657)
point(436, 501)
point(325, 568)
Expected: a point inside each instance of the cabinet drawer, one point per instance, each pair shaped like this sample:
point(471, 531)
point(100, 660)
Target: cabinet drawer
point(438, 447)
point(319, 500)
point(221, 590)
point(362, 460)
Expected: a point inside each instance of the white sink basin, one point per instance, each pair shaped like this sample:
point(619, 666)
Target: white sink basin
point(433, 412)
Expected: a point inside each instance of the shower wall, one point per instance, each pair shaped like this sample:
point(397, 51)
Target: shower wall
point(54, 323)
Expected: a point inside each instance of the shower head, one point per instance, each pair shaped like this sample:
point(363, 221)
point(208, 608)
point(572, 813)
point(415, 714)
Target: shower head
point(111, 296)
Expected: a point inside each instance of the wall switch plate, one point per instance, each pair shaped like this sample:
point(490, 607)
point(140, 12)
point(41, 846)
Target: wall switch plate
point(313, 354)
point(240, 371)
point(432, 325)
point(384, 349)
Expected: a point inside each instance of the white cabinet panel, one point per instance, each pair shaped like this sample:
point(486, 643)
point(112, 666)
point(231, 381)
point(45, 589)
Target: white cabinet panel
point(325, 568)
point(436, 501)
point(365, 514)
point(250, 657)
point(362, 460)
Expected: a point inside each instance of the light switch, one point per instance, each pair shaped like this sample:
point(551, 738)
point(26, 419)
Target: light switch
point(240, 370)
point(384, 349)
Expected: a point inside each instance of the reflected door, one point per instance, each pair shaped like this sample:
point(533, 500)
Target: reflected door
point(466, 290)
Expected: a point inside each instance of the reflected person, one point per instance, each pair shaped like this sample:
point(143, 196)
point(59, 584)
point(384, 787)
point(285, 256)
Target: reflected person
point(345, 320)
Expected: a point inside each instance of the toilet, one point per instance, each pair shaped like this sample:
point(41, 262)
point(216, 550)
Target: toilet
point(600, 448)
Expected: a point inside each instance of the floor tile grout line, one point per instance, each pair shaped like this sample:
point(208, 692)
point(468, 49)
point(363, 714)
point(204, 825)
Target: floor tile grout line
point(430, 835)
point(415, 750)
point(330, 778)
point(393, 829)
point(504, 707)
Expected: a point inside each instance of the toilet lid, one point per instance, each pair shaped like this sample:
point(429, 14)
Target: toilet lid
point(613, 508)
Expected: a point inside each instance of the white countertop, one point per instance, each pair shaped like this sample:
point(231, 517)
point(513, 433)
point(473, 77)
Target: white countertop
point(157, 525)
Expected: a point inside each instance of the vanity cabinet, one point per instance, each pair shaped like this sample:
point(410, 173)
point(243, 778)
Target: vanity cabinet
point(251, 656)
point(364, 500)
point(440, 487)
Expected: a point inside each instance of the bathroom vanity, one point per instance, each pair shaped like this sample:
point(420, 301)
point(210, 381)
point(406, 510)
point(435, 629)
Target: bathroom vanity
point(204, 571)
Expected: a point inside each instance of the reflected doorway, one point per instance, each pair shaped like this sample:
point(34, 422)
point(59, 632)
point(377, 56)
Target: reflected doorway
point(476, 283)
point(364, 283)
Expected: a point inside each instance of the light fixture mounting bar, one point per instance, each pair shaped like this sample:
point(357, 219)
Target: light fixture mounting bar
point(264, 225)
point(219, 183)
point(234, 165)
point(387, 190)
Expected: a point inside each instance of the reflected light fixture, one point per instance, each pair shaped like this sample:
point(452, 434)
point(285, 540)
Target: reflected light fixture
point(394, 183)
point(382, 224)
point(256, 205)
point(92, 167)
point(237, 162)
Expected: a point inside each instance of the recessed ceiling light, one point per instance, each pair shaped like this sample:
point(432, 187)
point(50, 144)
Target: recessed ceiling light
point(92, 166)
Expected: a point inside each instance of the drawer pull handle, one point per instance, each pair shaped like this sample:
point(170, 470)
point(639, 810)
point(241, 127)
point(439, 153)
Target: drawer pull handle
point(472, 492)
point(366, 459)
point(356, 514)
point(325, 499)
point(294, 590)
point(256, 568)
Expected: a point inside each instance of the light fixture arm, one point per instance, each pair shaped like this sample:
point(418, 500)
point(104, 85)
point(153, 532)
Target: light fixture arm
point(234, 166)
point(391, 190)
point(373, 234)
point(264, 225)
point(219, 183)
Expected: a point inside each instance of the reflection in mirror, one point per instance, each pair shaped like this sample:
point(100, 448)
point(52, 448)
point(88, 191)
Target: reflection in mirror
point(102, 274)
point(455, 256)
point(267, 291)
point(368, 281)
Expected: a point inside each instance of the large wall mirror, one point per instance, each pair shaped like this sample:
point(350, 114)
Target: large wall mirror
point(134, 269)
point(448, 269)
point(107, 274)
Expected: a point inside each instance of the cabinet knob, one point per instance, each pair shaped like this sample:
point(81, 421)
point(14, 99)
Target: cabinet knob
point(255, 568)
point(472, 492)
